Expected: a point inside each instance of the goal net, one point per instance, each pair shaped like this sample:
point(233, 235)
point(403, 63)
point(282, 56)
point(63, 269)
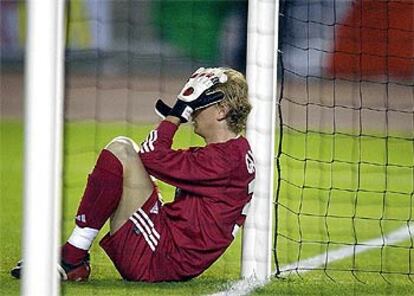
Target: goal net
point(344, 197)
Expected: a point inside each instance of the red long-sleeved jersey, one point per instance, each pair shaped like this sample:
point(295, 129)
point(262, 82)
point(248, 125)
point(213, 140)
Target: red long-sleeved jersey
point(214, 187)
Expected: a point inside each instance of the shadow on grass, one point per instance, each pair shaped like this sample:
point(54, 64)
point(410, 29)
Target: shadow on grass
point(198, 286)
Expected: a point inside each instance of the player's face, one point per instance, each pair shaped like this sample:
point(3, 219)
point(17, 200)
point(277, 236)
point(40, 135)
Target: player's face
point(204, 119)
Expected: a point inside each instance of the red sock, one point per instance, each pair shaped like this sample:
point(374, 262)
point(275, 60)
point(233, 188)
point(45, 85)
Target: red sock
point(100, 199)
point(102, 193)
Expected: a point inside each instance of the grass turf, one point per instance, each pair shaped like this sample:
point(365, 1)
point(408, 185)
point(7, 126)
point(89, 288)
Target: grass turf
point(84, 140)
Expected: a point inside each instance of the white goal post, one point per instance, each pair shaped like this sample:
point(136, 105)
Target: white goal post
point(261, 74)
point(43, 146)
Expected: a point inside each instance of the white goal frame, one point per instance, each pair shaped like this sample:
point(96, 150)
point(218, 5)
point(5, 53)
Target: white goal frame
point(261, 74)
point(44, 92)
point(44, 85)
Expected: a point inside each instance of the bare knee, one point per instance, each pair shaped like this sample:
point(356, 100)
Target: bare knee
point(123, 148)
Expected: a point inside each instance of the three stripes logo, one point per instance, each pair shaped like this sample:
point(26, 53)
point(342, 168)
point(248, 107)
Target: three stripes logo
point(250, 162)
point(148, 144)
point(146, 228)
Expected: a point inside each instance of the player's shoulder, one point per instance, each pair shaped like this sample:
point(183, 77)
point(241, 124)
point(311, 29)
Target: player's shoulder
point(240, 143)
point(233, 149)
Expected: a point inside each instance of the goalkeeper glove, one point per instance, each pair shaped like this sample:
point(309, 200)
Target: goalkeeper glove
point(196, 94)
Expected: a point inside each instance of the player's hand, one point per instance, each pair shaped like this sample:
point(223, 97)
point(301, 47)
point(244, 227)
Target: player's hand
point(163, 110)
point(197, 93)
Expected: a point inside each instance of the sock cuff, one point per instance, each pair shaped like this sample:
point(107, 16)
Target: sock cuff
point(109, 162)
point(82, 238)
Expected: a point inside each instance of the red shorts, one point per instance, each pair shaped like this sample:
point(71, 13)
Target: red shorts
point(139, 248)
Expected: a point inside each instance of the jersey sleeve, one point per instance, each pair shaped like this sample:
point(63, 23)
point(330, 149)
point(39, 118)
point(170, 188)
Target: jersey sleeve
point(193, 170)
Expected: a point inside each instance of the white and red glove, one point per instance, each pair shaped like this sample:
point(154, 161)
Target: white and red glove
point(196, 94)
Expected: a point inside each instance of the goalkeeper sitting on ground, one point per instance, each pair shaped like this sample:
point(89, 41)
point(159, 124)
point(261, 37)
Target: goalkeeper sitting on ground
point(152, 242)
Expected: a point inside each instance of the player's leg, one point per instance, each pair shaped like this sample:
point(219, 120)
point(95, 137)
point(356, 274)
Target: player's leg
point(117, 186)
point(137, 185)
point(100, 199)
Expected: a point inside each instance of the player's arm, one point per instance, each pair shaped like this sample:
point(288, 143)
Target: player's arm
point(198, 171)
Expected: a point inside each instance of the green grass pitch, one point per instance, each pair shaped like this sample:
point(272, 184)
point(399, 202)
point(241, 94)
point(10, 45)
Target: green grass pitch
point(84, 140)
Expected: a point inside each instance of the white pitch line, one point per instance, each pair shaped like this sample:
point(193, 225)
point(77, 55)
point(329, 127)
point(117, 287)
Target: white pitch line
point(399, 235)
point(245, 286)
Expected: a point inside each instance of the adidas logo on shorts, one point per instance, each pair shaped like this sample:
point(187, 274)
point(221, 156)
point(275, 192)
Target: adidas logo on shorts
point(81, 218)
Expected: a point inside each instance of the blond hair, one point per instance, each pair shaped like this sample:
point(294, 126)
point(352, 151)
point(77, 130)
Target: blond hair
point(235, 100)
